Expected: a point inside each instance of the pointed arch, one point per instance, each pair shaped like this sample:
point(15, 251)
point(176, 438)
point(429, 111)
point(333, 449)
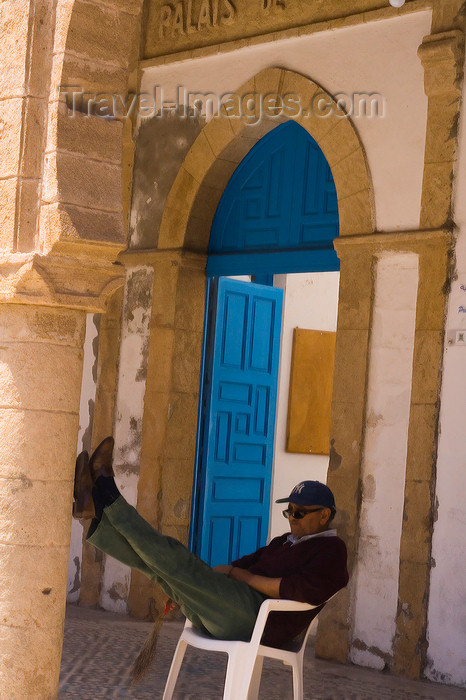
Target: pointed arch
point(279, 211)
point(227, 139)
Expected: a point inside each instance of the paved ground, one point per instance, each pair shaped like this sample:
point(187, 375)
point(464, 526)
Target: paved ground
point(99, 649)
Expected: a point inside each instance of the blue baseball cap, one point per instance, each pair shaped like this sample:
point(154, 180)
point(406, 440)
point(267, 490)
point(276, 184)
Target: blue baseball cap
point(311, 493)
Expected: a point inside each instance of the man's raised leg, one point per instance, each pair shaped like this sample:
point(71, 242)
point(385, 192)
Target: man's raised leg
point(227, 609)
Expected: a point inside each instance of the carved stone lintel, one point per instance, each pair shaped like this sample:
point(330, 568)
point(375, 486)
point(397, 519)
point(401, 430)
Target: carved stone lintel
point(73, 275)
point(396, 240)
point(155, 256)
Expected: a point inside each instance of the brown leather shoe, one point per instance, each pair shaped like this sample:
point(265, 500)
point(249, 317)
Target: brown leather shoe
point(83, 506)
point(101, 460)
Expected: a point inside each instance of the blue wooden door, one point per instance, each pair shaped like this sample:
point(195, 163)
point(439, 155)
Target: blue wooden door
point(238, 433)
point(279, 212)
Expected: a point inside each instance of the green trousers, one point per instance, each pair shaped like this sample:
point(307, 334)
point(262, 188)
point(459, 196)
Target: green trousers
point(216, 604)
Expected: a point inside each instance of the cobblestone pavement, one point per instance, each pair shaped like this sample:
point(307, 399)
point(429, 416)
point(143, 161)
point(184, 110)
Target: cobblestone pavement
point(99, 649)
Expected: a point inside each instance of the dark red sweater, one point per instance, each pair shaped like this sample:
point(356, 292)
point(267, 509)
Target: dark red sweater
point(311, 572)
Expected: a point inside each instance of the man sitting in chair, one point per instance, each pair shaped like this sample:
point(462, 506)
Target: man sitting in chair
point(307, 565)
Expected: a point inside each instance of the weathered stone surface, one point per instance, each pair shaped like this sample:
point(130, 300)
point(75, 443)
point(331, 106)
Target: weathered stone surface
point(96, 138)
point(334, 644)
point(238, 148)
point(339, 143)
point(81, 32)
point(350, 365)
point(441, 55)
point(426, 366)
point(356, 213)
point(346, 439)
point(181, 426)
point(23, 499)
point(161, 146)
point(417, 527)
point(433, 280)
point(199, 158)
point(41, 48)
point(73, 179)
point(31, 324)
point(217, 178)
point(421, 441)
point(186, 373)
point(76, 73)
point(74, 223)
point(160, 362)
point(240, 20)
point(13, 30)
point(134, 7)
point(41, 646)
point(28, 214)
point(441, 138)
point(356, 290)
point(34, 137)
point(7, 213)
point(27, 429)
point(219, 134)
point(10, 136)
point(351, 174)
point(184, 189)
point(190, 299)
point(436, 195)
point(176, 500)
point(33, 578)
point(22, 386)
point(411, 619)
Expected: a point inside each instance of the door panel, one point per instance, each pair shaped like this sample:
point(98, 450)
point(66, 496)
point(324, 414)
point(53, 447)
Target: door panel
point(238, 433)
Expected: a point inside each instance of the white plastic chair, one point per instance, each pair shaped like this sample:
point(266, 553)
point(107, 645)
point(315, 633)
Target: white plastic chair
point(245, 659)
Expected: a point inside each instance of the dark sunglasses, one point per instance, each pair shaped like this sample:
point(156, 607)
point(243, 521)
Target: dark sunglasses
point(298, 514)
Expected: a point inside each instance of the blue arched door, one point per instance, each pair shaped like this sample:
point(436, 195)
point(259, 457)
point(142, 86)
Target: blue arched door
point(278, 214)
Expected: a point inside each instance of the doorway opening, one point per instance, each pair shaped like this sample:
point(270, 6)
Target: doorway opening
point(277, 216)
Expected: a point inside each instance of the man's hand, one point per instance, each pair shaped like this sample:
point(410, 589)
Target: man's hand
point(223, 569)
point(263, 584)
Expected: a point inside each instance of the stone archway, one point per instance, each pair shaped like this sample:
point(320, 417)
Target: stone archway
point(179, 298)
point(225, 140)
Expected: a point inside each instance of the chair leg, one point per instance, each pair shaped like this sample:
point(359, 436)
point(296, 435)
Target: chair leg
point(238, 676)
point(254, 685)
point(174, 669)
point(298, 686)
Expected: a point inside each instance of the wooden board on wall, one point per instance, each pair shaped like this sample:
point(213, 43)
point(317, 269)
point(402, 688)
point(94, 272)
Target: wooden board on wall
point(310, 398)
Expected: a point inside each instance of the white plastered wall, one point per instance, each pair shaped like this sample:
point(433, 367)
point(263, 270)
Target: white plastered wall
point(88, 388)
point(366, 58)
point(447, 603)
point(383, 469)
point(310, 301)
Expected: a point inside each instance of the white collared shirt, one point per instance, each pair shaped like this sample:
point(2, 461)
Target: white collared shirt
point(296, 540)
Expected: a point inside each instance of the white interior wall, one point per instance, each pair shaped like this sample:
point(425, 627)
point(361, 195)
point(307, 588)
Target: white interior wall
point(446, 629)
point(367, 58)
point(88, 388)
point(383, 469)
point(310, 301)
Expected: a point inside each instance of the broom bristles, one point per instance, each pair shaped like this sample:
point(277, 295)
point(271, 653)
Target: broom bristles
point(147, 654)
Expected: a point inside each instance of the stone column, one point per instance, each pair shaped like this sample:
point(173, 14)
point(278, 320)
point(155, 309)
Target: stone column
point(40, 379)
point(41, 356)
point(170, 402)
point(348, 435)
point(347, 431)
